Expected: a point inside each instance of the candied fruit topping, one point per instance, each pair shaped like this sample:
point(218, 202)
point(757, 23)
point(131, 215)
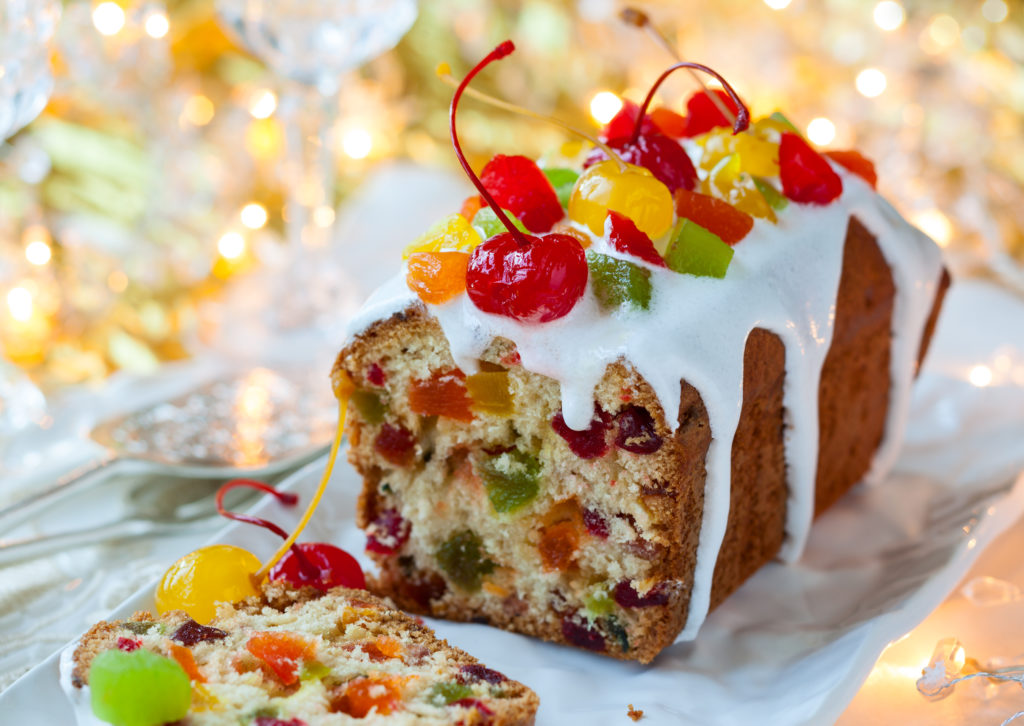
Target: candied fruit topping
point(619, 283)
point(634, 192)
point(362, 694)
point(452, 234)
point(490, 393)
point(857, 163)
point(140, 688)
point(480, 672)
point(660, 155)
point(626, 596)
point(518, 184)
point(437, 277)
point(443, 394)
point(471, 206)
point(462, 557)
point(695, 250)
point(806, 175)
point(486, 222)
point(669, 122)
point(703, 114)
point(624, 121)
point(719, 217)
point(190, 632)
point(595, 523)
point(283, 652)
point(446, 693)
point(776, 200)
point(592, 442)
point(387, 533)
point(624, 236)
point(562, 180)
point(533, 283)
point(205, 577)
point(396, 444)
point(512, 479)
point(320, 565)
point(582, 636)
point(636, 431)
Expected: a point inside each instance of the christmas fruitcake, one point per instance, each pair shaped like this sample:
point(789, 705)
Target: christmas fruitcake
point(611, 388)
point(285, 657)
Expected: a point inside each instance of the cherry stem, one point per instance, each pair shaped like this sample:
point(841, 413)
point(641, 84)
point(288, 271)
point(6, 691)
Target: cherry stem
point(446, 77)
point(640, 19)
point(498, 53)
point(742, 121)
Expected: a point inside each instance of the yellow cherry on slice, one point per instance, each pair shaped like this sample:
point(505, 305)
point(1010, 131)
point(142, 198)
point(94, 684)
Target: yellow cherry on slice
point(451, 234)
point(201, 579)
point(632, 191)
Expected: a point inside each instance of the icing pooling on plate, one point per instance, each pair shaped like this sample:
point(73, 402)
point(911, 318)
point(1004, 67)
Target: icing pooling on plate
point(784, 278)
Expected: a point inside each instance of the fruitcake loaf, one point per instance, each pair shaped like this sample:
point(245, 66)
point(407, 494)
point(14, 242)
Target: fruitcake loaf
point(609, 390)
point(285, 658)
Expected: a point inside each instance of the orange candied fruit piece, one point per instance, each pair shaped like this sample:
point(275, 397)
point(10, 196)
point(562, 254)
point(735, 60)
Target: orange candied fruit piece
point(443, 394)
point(714, 215)
point(437, 277)
point(560, 538)
point(365, 693)
point(383, 648)
point(471, 206)
point(669, 122)
point(490, 393)
point(283, 652)
point(187, 662)
point(857, 163)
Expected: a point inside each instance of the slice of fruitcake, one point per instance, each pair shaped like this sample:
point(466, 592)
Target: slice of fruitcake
point(286, 658)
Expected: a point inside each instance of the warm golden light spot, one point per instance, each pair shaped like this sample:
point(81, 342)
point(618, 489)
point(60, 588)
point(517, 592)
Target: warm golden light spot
point(604, 105)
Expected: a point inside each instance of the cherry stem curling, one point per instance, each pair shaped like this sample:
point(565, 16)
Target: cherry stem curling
point(498, 53)
point(640, 19)
point(742, 121)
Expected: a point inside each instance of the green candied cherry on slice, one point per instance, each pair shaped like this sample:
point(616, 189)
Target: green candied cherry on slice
point(771, 195)
point(486, 222)
point(464, 560)
point(448, 692)
point(599, 601)
point(369, 406)
point(511, 478)
point(696, 251)
point(619, 283)
point(563, 180)
point(140, 688)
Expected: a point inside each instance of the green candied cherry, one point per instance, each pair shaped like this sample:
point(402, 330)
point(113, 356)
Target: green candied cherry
point(449, 692)
point(140, 688)
point(599, 602)
point(781, 118)
point(771, 195)
point(563, 180)
point(464, 560)
point(696, 251)
point(486, 222)
point(511, 479)
point(619, 283)
point(369, 406)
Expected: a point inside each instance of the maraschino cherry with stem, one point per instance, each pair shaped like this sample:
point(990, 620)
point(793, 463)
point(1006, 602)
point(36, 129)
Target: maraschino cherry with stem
point(307, 563)
point(526, 277)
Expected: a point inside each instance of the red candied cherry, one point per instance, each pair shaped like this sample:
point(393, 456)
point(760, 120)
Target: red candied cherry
point(622, 123)
point(703, 114)
point(518, 185)
point(319, 564)
point(590, 443)
point(387, 533)
point(669, 122)
point(628, 597)
point(624, 236)
point(595, 523)
point(807, 177)
point(582, 636)
point(636, 431)
point(660, 155)
point(396, 444)
point(521, 276)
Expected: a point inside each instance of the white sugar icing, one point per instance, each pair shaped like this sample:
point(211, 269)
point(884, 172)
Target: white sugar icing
point(783, 278)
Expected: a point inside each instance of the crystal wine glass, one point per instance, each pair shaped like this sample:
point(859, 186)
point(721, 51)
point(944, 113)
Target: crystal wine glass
point(312, 43)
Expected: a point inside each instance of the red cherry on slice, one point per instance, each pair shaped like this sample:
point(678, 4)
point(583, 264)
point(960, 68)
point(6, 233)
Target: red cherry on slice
point(518, 185)
point(624, 236)
point(702, 114)
point(623, 122)
point(318, 564)
point(657, 153)
point(533, 283)
point(807, 177)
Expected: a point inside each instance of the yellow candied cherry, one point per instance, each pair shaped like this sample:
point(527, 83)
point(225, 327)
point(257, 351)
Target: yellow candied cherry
point(757, 155)
point(201, 579)
point(625, 188)
point(729, 182)
point(454, 233)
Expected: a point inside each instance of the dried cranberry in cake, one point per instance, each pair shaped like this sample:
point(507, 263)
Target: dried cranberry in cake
point(474, 703)
point(443, 394)
point(387, 533)
point(636, 431)
point(376, 375)
point(518, 184)
point(479, 672)
point(714, 215)
point(626, 596)
point(624, 236)
point(806, 176)
point(320, 565)
point(660, 155)
point(590, 443)
point(192, 632)
point(702, 114)
point(535, 282)
point(128, 644)
point(396, 444)
point(857, 163)
point(595, 523)
point(271, 721)
point(582, 635)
